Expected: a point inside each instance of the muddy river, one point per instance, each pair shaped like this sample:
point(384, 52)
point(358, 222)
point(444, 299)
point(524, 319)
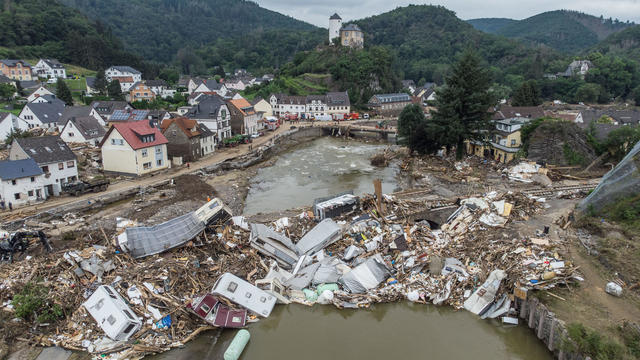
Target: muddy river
point(385, 331)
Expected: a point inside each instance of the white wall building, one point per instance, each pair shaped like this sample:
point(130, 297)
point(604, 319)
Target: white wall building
point(49, 69)
point(21, 182)
point(52, 155)
point(40, 92)
point(335, 24)
point(8, 122)
point(43, 114)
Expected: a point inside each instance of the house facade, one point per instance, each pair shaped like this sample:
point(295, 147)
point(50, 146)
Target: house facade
point(134, 149)
point(16, 70)
point(213, 112)
point(21, 182)
point(71, 112)
point(9, 122)
point(351, 35)
point(160, 88)
point(244, 118)
point(126, 75)
point(82, 130)
point(53, 156)
point(262, 106)
point(38, 93)
point(141, 92)
point(43, 114)
point(288, 105)
point(338, 104)
point(188, 140)
point(50, 69)
point(389, 104)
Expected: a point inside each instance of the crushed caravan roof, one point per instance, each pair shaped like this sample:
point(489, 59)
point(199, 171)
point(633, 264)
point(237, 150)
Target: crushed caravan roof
point(322, 235)
point(274, 244)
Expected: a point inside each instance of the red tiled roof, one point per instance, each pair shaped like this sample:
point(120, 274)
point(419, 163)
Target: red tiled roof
point(131, 130)
point(184, 124)
point(242, 104)
point(125, 79)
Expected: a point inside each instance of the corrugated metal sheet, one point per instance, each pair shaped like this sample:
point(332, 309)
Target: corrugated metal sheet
point(149, 240)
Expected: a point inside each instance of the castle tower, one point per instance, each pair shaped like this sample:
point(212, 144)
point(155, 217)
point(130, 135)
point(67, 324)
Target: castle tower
point(335, 23)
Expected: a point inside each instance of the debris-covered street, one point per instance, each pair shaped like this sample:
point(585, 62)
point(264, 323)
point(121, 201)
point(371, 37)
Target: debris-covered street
point(465, 235)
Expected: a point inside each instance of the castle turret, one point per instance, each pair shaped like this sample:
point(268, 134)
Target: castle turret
point(335, 23)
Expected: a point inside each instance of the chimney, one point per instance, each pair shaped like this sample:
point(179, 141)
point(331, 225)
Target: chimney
point(151, 123)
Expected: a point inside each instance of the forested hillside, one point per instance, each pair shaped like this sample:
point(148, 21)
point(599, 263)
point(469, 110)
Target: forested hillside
point(490, 25)
point(44, 28)
point(206, 33)
point(567, 31)
point(626, 43)
point(426, 39)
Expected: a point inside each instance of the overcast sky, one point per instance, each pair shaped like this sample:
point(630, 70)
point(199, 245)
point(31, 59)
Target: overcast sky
point(317, 12)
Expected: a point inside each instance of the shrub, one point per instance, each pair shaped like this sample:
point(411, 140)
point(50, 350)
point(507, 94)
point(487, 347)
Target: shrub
point(583, 340)
point(32, 304)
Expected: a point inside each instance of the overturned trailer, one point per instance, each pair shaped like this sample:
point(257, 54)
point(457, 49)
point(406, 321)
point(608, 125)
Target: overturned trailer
point(112, 313)
point(244, 294)
point(143, 241)
point(274, 244)
point(210, 309)
point(333, 206)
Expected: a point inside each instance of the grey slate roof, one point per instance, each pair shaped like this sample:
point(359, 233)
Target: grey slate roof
point(47, 112)
point(351, 27)
point(338, 99)
point(13, 63)
point(91, 80)
point(204, 131)
point(74, 112)
point(159, 82)
point(15, 169)
point(126, 69)
point(89, 127)
point(108, 107)
point(390, 98)
point(207, 108)
point(335, 16)
point(46, 149)
point(30, 84)
point(53, 63)
point(5, 80)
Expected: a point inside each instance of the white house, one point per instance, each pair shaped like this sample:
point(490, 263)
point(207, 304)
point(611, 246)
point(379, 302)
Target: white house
point(214, 113)
point(126, 75)
point(197, 85)
point(21, 182)
point(41, 91)
point(316, 105)
point(160, 88)
point(43, 114)
point(285, 104)
point(83, 130)
point(49, 69)
point(54, 157)
point(8, 122)
point(78, 112)
point(134, 148)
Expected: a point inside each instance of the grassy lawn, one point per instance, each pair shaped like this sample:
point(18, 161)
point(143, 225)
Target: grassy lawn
point(80, 71)
point(15, 112)
point(78, 85)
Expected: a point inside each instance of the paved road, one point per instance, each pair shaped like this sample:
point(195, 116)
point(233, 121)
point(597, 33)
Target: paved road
point(149, 180)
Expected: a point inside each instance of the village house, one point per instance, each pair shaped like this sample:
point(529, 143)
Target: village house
point(43, 114)
point(82, 130)
point(126, 75)
point(141, 92)
point(106, 108)
point(6, 80)
point(316, 105)
point(426, 93)
point(338, 104)
point(134, 149)
point(198, 85)
point(39, 92)
point(505, 141)
point(262, 106)
point(244, 118)
point(213, 112)
point(389, 104)
point(52, 155)
point(21, 182)
point(288, 105)
point(351, 35)
point(50, 69)
point(16, 70)
point(238, 83)
point(129, 115)
point(188, 140)
point(577, 68)
point(10, 122)
point(604, 121)
point(160, 88)
point(80, 111)
point(409, 85)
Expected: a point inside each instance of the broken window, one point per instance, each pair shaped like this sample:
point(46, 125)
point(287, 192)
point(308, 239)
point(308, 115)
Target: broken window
point(205, 308)
point(232, 287)
point(126, 312)
point(111, 320)
point(129, 328)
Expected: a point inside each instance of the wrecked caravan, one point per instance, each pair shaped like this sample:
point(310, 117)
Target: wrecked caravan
point(322, 235)
point(244, 294)
point(273, 244)
point(211, 310)
point(143, 241)
point(112, 314)
point(335, 206)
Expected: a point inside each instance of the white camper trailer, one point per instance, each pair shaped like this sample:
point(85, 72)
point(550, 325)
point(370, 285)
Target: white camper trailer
point(244, 294)
point(112, 314)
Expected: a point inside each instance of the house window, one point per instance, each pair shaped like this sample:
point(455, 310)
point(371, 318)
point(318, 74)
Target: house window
point(146, 166)
point(513, 142)
point(30, 192)
point(158, 150)
point(144, 153)
point(33, 179)
point(45, 169)
point(60, 166)
point(70, 134)
point(16, 196)
point(71, 164)
point(159, 162)
point(13, 182)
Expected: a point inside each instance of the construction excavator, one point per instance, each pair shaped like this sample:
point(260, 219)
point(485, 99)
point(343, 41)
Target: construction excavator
point(19, 242)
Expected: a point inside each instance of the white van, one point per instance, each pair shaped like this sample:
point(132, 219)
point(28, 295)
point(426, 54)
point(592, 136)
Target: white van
point(112, 314)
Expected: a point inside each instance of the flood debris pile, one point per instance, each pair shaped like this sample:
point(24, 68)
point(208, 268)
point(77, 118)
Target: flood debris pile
point(144, 292)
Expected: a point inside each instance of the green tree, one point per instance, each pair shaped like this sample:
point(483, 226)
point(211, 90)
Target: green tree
point(528, 94)
point(7, 91)
point(16, 134)
point(63, 93)
point(463, 104)
point(636, 95)
point(114, 91)
point(169, 75)
point(588, 93)
point(411, 118)
point(100, 84)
